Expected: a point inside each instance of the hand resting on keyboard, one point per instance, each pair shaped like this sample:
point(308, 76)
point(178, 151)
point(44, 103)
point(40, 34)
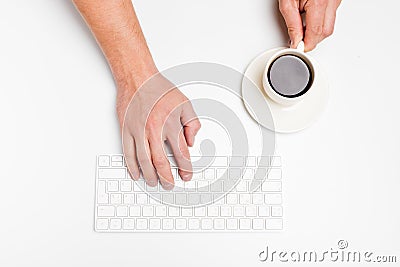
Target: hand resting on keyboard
point(159, 112)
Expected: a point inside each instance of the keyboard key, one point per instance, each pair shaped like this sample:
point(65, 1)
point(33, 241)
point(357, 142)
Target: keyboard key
point(273, 224)
point(258, 199)
point(152, 188)
point(276, 161)
point(134, 211)
point(187, 212)
point(232, 198)
point(206, 198)
point(193, 199)
point(209, 174)
point(229, 186)
point(238, 211)
point(180, 224)
point(129, 199)
point(115, 224)
point(141, 224)
point(155, 224)
point(155, 199)
point(275, 174)
point(235, 174)
point(197, 175)
point(194, 224)
point(241, 186)
point(112, 173)
point(221, 173)
point(220, 161)
point(276, 211)
point(264, 161)
point(161, 211)
point(248, 174)
point(122, 211)
point(273, 199)
point(219, 199)
point(272, 186)
point(263, 211)
point(126, 186)
point(179, 186)
point(115, 198)
point(117, 158)
point(231, 224)
point(216, 186)
point(102, 224)
point(203, 186)
point(138, 186)
point(112, 186)
point(200, 212)
point(168, 224)
point(219, 224)
point(245, 224)
point(168, 198)
point(180, 199)
point(258, 224)
point(251, 161)
point(206, 224)
point(147, 211)
point(190, 186)
point(245, 199)
point(212, 211)
point(226, 211)
point(251, 211)
point(173, 211)
point(117, 164)
point(105, 211)
point(102, 198)
point(103, 161)
point(129, 224)
point(260, 174)
point(141, 198)
point(237, 161)
point(101, 186)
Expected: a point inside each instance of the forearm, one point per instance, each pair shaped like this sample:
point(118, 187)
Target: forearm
point(117, 30)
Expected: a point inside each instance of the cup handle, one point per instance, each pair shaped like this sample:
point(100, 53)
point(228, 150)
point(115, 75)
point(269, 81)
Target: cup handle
point(300, 47)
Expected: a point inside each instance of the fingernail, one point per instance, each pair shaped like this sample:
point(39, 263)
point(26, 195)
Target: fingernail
point(186, 176)
point(167, 186)
point(151, 183)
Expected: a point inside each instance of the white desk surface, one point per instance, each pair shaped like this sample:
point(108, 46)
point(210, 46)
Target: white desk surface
point(341, 176)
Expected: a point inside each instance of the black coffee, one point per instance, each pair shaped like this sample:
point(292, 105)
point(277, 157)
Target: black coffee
point(290, 76)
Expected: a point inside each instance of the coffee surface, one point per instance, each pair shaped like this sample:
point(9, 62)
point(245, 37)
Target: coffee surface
point(289, 76)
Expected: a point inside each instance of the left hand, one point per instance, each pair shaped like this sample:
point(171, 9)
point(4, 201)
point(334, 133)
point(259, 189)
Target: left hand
point(320, 18)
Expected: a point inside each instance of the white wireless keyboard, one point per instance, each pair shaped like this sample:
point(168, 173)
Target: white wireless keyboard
point(125, 205)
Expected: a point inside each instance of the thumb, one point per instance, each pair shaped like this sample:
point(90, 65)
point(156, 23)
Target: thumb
point(190, 122)
point(291, 13)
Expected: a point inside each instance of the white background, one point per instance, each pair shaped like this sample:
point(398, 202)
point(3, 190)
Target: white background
point(57, 97)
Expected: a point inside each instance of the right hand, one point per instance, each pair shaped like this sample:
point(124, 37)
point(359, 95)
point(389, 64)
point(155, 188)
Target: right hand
point(320, 16)
point(158, 112)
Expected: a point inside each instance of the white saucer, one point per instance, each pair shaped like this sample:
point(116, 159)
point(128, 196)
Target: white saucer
point(286, 119)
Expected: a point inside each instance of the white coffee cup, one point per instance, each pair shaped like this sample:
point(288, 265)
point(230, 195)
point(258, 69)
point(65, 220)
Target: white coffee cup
point(272, 93)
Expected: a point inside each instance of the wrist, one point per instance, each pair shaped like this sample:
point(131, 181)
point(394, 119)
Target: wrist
point(130, 75)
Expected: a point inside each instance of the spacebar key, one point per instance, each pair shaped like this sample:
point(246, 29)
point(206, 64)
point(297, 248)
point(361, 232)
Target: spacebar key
point(112, 173)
